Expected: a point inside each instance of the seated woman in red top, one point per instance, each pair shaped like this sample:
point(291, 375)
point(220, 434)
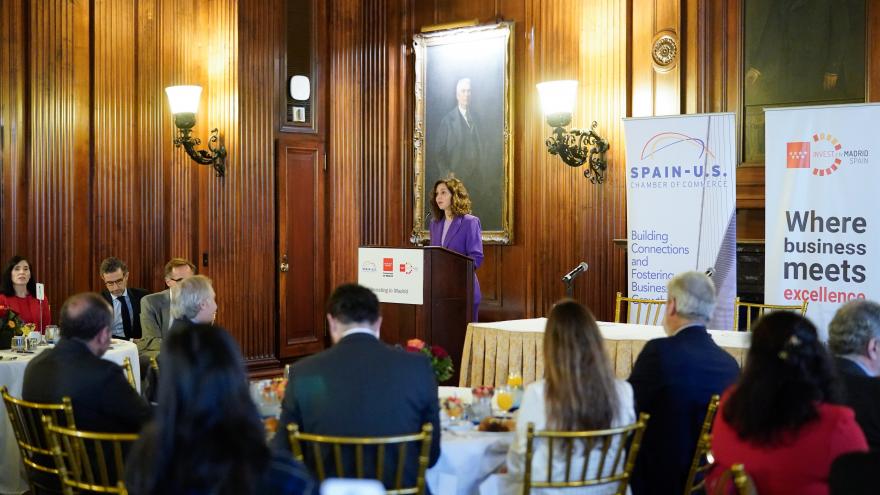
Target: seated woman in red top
point(783, 419)
point(17, 291)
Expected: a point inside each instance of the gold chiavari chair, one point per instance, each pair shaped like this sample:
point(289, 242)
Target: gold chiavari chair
point(756, 309)
point(610, 445)
point(742, 482)
point(363, 448)
point(702, 458)
point(652, 309)
point(129, 373)
point(89, 461)
point(154, 364)
point(27, 425)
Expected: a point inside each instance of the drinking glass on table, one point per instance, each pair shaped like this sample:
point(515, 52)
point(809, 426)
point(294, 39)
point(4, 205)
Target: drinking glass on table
point(515, 383)
point(52, 333)
point(504, 399)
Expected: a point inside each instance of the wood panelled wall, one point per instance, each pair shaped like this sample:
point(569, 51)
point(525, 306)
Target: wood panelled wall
point(86, 154)
point(88, 168)
point(560, 218)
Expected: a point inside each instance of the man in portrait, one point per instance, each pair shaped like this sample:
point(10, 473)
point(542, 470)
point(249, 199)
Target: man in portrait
point(460, 145)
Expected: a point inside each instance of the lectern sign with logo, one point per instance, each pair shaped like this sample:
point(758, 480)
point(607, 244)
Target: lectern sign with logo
point(395, 275)
point(822, 222)
point(427, 293)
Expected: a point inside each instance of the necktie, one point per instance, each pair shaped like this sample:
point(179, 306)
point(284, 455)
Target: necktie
point(126, 316)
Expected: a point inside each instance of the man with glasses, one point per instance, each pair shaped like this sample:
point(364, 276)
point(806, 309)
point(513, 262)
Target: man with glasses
point(155, 308)
point(126, 301)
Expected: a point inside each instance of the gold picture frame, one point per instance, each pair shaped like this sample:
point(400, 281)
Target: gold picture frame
point(482, 154)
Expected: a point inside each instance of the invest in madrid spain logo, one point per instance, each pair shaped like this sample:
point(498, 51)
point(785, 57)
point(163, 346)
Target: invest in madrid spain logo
point(821, 154)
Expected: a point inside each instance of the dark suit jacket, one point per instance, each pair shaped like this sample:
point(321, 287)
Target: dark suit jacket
point(102, 398)
point(135, 295)
point(460, 147)
point(862, 393)
point(673, 379)
point(362, 387)
point(855, 474)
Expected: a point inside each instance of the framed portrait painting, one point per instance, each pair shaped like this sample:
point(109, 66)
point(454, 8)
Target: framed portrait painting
point(463, 123)
point(800, 53)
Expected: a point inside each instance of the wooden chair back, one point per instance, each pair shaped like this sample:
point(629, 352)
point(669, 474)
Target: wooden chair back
point(757, 310)
point(129, 372)
point(318, 450)
point(701, 462)
point(613, 465)
point(33, 444)
point(89, 461)
point(640, 311)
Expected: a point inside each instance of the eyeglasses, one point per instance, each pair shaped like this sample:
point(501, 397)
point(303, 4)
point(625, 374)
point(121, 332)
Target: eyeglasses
point(114, 283)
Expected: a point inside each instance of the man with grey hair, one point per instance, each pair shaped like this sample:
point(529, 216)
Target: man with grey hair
point(854, 339)
point(193, 301)
point(673, 379)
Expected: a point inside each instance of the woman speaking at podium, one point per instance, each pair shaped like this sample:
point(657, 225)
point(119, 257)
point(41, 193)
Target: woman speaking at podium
point(454, 228)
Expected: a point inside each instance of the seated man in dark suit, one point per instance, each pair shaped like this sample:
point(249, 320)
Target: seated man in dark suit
point(361, 387)
point(102, 398)
point(673, 379)
point(126, 301)
point(854, 339)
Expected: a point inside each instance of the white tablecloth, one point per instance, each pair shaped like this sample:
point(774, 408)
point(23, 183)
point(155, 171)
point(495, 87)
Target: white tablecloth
point(13, 478)
point(466, 457)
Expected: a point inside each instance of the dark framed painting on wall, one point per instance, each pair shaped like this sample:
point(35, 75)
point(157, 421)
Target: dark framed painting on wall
point(463, 122)
point(800, 53)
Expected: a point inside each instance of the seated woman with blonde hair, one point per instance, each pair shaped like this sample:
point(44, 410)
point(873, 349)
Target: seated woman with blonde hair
point(578, 393)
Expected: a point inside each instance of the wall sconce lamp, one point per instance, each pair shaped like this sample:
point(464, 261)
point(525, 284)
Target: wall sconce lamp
point(575, 147)
point(184, 101)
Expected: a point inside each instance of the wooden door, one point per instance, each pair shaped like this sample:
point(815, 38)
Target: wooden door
point(301, 257)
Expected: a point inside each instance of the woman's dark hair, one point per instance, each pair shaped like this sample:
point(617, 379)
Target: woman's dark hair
point(6, 287)
point(207, 436)
point(579, 383)
point(788, 372)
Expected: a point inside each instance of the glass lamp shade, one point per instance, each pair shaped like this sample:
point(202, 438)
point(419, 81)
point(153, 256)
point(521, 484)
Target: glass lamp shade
point(300, 89)
point(184, 99)
point(557, 97)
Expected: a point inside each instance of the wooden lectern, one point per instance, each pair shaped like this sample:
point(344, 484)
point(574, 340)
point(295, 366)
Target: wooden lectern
point(446, 309)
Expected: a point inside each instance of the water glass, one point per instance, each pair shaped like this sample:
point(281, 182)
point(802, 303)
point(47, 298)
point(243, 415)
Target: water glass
point(18, 343)
point(52, 334)
point(33, 340)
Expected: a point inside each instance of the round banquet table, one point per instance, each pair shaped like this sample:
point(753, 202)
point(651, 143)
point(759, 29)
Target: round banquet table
point(13, 478)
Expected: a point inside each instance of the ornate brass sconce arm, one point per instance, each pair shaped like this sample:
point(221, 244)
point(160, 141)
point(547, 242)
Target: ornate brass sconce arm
point(578, 147)
point(215, 155)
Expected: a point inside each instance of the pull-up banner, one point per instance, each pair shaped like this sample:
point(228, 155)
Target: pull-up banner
point(681, 204)
point(822, 221)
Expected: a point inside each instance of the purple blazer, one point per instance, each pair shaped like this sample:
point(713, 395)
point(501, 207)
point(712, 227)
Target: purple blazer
point(465, 236)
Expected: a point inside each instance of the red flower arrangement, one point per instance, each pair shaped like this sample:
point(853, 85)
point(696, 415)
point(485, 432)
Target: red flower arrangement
point(10, 326)
point(441, 363)
point(9, 320)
